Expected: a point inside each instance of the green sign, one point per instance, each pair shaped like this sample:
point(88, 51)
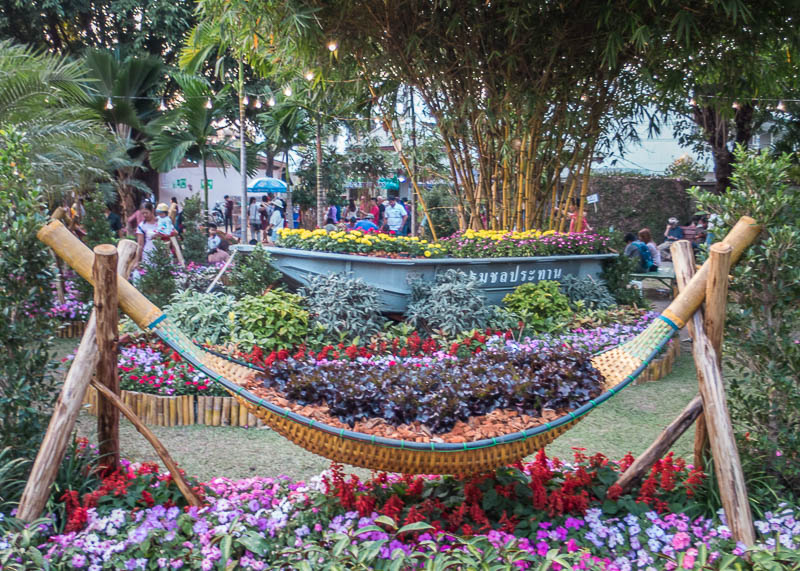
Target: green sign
point(389, 183)
point(210, 184)
point(180, 183)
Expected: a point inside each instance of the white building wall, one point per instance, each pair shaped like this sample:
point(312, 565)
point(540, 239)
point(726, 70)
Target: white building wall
point(184, 181)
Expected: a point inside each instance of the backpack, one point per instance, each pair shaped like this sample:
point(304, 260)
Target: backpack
point(646, 258)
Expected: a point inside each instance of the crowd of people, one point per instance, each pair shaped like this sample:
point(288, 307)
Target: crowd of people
point(642, 247)
point(389, 215)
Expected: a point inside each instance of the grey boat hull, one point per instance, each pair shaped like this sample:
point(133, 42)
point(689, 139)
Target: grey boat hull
point(498, 276)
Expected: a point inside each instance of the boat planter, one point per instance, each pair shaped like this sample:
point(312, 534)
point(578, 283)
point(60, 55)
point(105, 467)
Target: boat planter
point(498, 276)
point(183, 410)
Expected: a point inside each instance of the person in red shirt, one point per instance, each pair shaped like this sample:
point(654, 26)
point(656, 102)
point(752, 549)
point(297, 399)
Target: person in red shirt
point(375, 210)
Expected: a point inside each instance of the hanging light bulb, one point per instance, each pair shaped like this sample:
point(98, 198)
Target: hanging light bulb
point(209, 105)
point(692, 102)
point(735, 105)
point(245, 100)
point(162, 106)
point(109, 103)
point(781, 106)
point(377, 121)
point(257, 104)
point(332, 46)
point(584, 97)
point(309, 75)
point(287, 91)
point(271, 101)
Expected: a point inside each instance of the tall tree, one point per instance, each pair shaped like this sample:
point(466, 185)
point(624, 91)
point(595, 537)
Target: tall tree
point(43, 96)
point(137, 27)
point(190, 131)
point(126, 97)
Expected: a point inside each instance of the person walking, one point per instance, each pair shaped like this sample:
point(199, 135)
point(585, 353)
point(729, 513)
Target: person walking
point(228, 215)
point(395, 216)
point(173, 210)
point(276, 220)
point(146, 232)
point(254, 216)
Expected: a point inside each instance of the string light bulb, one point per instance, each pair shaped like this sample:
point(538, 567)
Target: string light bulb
point(735, 105)
point(209, 105)
point(332, 46)
point(109, 104)
point(287, 91)
point(271, 101)
point(162, 106)
point(309, 75)
point(781, 106)
point(257, 104)
point(692, 102)
point(245, 100)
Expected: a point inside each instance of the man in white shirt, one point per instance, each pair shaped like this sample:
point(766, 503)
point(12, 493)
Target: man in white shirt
point(395, 215)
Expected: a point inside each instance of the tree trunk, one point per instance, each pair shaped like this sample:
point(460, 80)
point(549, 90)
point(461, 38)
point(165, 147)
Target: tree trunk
point(205, 186)
point(320, 190)
point(242, 154)
point(289, 214)
point(715, 128)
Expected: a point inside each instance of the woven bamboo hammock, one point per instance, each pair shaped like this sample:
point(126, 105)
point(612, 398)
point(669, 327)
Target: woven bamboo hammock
point(620, 366)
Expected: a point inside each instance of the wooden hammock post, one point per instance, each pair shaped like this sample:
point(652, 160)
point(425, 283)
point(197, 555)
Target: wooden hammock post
point(683, 261)
point(106, 303)
point(180, 481)
point(727, 466)
point(66, 409)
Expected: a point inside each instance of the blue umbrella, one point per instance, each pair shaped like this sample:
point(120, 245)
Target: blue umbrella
point(267, 184)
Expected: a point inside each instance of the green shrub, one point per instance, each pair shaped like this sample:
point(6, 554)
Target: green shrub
point(453, 303)
point(27, 382)
point(195, 241)
point(617, 276)
point(97, 232)
point(540, 305)
point(763, 321)
point(202, 316)
point(252, 273)
point(592, 292)
point(275, 320)
point(344, 305)
point(155, 278)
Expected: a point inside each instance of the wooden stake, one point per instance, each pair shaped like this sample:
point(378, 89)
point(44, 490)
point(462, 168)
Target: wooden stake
point(727, 465)
point(104, 274)
point(183, 486)
point(67, 408)
point(683, 262)
point(637, 471)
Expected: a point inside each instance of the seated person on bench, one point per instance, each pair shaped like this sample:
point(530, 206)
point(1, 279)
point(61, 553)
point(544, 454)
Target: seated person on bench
point(635, 248)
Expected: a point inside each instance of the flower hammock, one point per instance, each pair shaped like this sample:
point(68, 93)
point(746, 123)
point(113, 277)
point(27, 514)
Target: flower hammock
point(620, 366)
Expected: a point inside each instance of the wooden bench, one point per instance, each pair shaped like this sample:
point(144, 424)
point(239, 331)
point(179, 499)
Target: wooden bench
point(665, 275)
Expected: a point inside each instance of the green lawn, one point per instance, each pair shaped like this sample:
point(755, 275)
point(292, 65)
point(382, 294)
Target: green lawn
point(628, 422)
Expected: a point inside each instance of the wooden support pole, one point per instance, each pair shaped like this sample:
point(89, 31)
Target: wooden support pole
point(181, 482)
point(683, 262)
point(106, 303)
point(67, 408)
point(727, 466)
point(637, 471)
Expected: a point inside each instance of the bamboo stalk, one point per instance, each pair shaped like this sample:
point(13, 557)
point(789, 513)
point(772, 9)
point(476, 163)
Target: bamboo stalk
point(162, 452)
point(173, 411)
point(216, 416)
point(201, 409)
point(243, 416)
point(209, 410)
point(179, 419)
point(226, 411)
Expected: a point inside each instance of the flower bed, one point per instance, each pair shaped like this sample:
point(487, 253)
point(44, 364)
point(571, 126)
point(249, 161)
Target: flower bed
point(357, 242)
point(501, 243)
point(469, 244)
point(517, 518)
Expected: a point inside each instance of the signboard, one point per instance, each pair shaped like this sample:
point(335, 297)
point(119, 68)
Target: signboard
point(592, 199)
